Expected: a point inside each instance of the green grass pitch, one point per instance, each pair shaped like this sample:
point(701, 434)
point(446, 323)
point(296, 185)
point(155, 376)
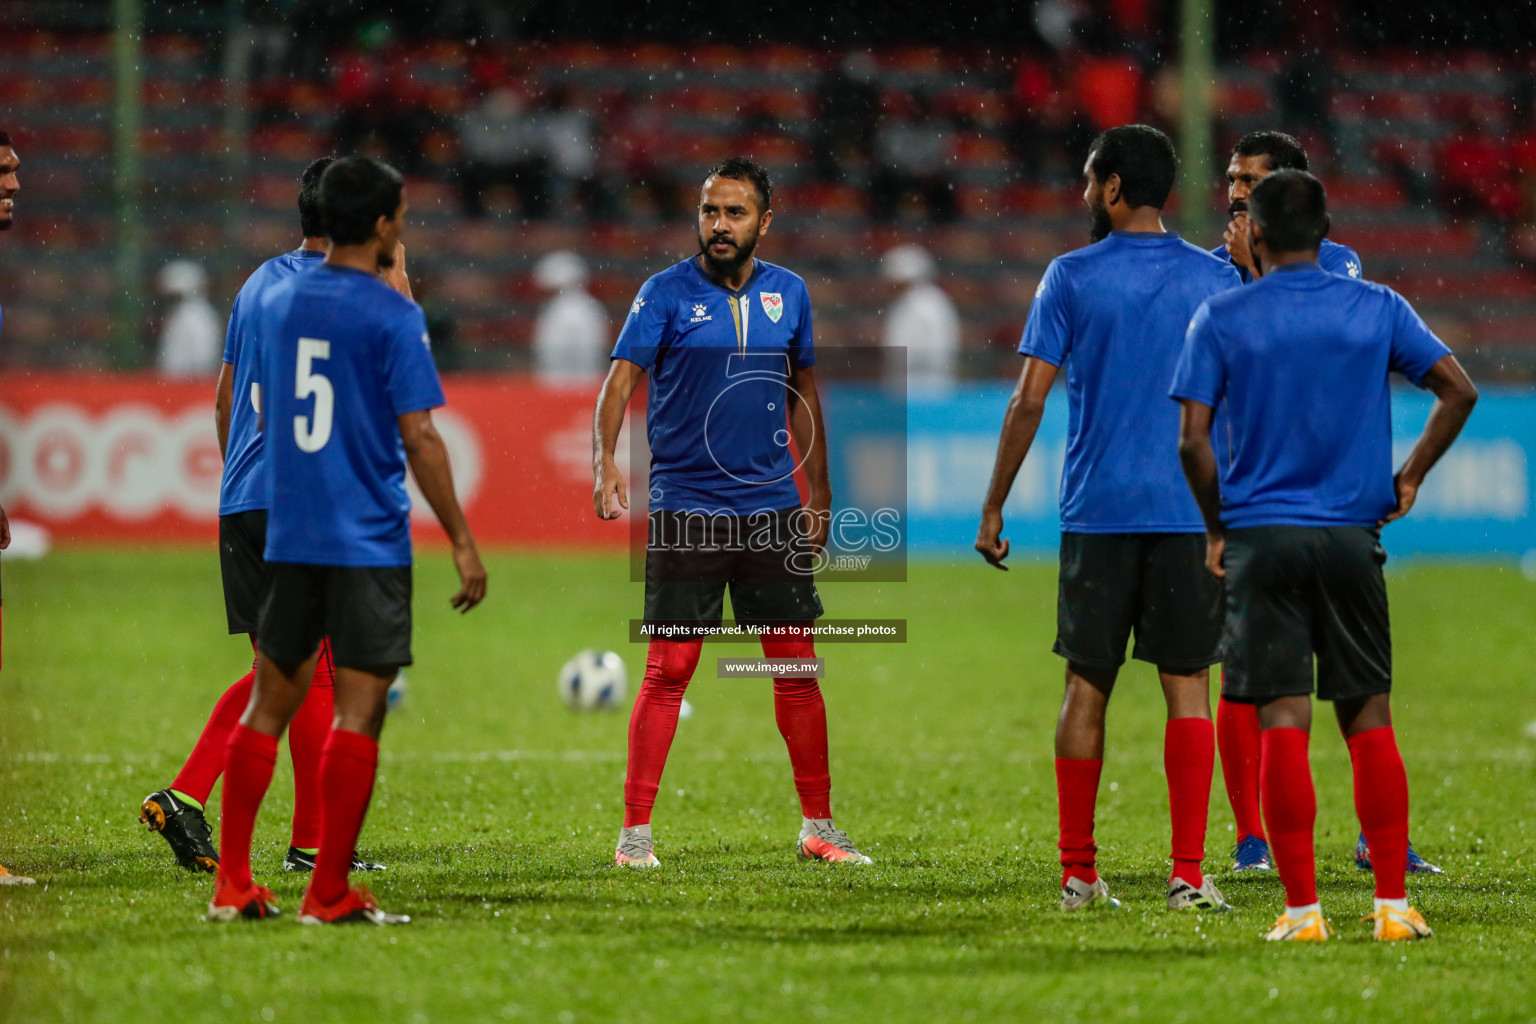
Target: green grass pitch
point(497, 811)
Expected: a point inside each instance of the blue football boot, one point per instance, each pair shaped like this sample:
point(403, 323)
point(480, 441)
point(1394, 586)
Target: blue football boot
point(1251, 854)
point(1416, 865)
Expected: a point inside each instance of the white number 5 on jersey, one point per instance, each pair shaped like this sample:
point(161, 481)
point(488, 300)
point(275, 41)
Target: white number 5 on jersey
point(311, 436)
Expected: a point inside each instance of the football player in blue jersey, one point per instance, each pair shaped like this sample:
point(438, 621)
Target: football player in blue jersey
point(1301, 360)
point(725, 339)
point(1256, 156)
point(1112, 315)
point(347, 388)
point(176, 812)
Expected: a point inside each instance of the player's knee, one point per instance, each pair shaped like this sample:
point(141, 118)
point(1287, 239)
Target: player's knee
point(671, 663)
point(1085, 681)
point(797, 692)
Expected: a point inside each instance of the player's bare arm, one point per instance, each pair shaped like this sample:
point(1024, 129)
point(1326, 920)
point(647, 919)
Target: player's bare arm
point(609, 493)
point(428, 457)
point(223, 400)
point(1199, 460)
point(810, 433)
point(1020, 424)
point(395, 276)
point(1455, 395)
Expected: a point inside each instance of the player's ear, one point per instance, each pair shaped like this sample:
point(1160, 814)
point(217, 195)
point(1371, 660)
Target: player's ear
point(764, 221)
point(1112, 190)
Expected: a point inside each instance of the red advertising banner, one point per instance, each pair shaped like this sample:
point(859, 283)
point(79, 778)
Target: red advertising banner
point(111, 457)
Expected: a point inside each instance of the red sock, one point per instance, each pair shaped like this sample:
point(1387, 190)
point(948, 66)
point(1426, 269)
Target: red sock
point(348, 765)
point(1237, 733)
point(1077, 789)
point(206, 762)
point(306, 737)
point(669, 664)
point(1381, 801)
point(247, 774)
point(1290, 807)
point(802, 718)
point(1189, 760)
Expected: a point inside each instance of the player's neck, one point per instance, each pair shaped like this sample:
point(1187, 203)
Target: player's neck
point(737, 281)
point(363, 257)
point(1285, 259)
point(315, 244)
point(1142, 219)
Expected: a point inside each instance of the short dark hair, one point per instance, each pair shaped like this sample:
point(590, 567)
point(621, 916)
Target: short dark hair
point(1144, 159)
point(310, 221)
point(1283, 151)
point(355, 192)
point(1292, 208)
point(744, 168)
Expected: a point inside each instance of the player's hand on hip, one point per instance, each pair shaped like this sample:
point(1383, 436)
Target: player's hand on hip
point(990, 540)
point(1215, 551)
point(466, 559)
point(610, 495)
point(1407, 494)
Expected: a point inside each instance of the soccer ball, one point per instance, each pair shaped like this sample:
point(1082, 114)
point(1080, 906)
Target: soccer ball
point(397, 690)
point(594, 681)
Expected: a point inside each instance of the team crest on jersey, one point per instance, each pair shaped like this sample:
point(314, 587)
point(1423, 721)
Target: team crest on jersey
point(773, 305)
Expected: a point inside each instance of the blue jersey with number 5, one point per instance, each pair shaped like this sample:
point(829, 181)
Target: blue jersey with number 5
point(342, 356)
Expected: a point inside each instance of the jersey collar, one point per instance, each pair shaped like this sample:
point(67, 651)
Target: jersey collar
point(757, 270)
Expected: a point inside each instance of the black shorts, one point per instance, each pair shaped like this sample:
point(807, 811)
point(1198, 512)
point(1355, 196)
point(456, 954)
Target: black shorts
point(690, 560)
point(242, 564)
point(366, 613)
point(1295, 592)
point(1155, 584)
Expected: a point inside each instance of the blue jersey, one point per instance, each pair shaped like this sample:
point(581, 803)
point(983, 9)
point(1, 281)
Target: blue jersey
point(343, 355)
point(244, 486)
point(1301, 358)
point(1115, 313)
point(1334, 258)
point(719, 363)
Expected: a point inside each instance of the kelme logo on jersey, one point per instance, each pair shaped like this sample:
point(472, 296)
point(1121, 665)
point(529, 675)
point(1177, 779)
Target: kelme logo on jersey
point(700, 313)
point(773, 305)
